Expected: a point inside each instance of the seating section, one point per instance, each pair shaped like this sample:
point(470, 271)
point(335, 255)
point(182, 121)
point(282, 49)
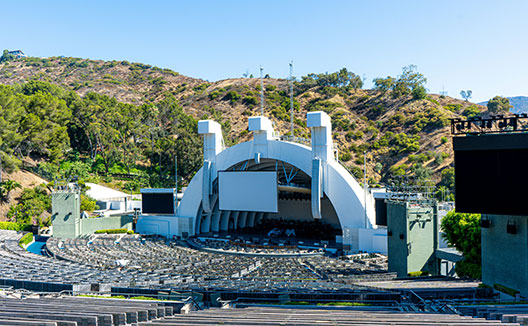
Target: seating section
point(71, 311)
point(46, 310)
point(512, 313)
point(152, 262)
point(306, 317)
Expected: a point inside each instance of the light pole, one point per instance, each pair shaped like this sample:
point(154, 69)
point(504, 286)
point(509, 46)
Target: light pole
point(365, 185)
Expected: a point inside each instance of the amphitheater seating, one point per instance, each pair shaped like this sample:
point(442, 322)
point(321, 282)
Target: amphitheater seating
point(517, 313)
point(46, 310)
point(71, 311)
point(154, 262)
point(304, 317)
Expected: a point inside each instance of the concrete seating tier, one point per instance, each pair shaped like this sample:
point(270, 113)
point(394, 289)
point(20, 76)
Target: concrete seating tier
point(304, 317)
point(73, 311)
point(508, 313)
point(245, 247)
point(183, 267)
point(45, 310)
point(132, 261)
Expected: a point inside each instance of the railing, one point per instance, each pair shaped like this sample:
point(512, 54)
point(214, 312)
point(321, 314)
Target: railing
point(298, 140)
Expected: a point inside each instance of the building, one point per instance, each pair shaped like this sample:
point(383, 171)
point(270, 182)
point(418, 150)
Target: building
point(67, 221)
point(18, 54)
point(269, 178)
point(490, 179)
point(412, 234)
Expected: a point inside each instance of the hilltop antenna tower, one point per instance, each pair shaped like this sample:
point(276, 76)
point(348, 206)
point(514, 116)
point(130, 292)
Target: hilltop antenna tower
point(291, 96)
point(443, 91)
point(261, 93)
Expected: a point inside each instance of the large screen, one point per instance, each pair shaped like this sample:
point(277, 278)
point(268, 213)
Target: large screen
point(491, 174)
point(249, 191)
point(157, 203)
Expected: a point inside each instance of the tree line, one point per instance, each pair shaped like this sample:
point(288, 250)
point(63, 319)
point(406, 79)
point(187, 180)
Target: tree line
point(96, 133)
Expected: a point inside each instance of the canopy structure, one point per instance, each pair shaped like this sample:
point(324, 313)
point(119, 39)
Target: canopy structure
point(234, 189)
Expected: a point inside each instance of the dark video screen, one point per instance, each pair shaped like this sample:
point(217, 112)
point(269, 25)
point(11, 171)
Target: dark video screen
point(157, 203)
point(492, 180)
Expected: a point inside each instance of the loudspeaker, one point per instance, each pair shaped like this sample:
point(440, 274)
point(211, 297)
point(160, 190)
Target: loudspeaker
point(485, 223)
point(511, 228)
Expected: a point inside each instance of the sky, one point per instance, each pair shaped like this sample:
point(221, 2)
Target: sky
point(478, 45)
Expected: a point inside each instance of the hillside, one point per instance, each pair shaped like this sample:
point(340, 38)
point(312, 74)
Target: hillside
point(401, 135)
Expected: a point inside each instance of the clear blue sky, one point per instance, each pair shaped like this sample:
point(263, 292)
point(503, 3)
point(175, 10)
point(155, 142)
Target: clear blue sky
point(479, 45)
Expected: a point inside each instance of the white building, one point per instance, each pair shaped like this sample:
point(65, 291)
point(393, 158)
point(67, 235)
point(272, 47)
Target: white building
point(264, 178)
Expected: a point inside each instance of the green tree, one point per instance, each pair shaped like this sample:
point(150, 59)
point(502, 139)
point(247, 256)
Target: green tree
point(8, 186)
point(384, 84)
point(448, 179)
point(88, 204)
point(408, 81)
point(6, 56)
point(419, 93)
point(32, 204)
point(498, 105)
point(471, 111)
point(466, 95)
point(462, 231)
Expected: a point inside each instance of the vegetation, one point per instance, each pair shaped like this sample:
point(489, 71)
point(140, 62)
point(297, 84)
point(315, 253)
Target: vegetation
point(498, 105)
point(113, 231)
point(342, 79)
point(13, 226)
point(6, 187)
point(131, 138)
point(462, 231)
point(25, 240)
point(409, 82)
point(466, 95)
point(32, 205)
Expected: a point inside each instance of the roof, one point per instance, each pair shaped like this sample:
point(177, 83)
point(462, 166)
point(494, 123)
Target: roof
point(102, 193)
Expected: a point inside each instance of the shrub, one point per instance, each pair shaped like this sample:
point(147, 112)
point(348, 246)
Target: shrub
point(418, 273)
point(443, 140)
point(111, 231)
point(232, 96)
point(419, 93)
point(14, 226)
point(471, 111)
point(25, 240)
point(88, 204)
point(250, 100)
point(345, 157)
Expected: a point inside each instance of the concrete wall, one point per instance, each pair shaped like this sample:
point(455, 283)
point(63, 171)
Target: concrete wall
point(504, 255)
point(397, 238)
point(412, 238)
point(90, 225)
point(65, 217)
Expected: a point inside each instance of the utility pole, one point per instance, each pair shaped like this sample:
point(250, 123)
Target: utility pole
point(176, 183)
point(176, 172)
point(291, 96)
point(365, 185)
point(261, 93)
